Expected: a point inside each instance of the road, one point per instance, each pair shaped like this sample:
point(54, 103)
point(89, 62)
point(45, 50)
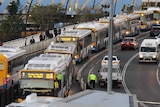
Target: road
point(139, 78)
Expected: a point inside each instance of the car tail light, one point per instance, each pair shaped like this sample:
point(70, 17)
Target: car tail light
point(115, 62)
point(104, 62)
point(132, 43)
point(122, 43)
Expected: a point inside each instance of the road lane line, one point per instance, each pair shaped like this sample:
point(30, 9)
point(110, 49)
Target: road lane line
point(124, 71)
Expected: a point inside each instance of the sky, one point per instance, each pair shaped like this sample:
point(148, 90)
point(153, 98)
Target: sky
point(119, 4)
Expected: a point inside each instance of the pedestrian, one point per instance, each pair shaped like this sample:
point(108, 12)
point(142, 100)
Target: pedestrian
point(44, 37)
point(92, 79)
point(50, 35)
point(59, 79)
point(56, 87)
point(55, 32)
point(41, 37)
point(59, 31)
point(32, 40)
point(64, 29)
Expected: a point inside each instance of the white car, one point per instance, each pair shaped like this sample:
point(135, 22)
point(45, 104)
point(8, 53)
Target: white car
point(158, 39)
point(115, 62)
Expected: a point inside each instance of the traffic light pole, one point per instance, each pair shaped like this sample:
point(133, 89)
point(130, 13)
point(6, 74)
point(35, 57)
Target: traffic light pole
point(110, 45)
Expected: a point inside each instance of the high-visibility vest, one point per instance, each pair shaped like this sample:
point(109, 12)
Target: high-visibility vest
point(56, 85)
point(59, 77)
point(92, 77)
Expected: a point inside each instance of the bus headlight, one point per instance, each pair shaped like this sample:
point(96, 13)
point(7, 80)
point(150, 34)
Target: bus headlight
point(127, 32)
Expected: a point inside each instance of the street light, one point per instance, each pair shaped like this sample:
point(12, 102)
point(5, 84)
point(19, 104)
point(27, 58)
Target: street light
point(27, 20)
point(110, 45)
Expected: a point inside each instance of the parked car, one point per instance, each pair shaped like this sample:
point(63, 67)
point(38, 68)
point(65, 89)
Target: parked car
point(155, 30)
point(129, 43)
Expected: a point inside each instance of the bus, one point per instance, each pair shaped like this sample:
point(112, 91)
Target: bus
point(156, 15)
point(119, 28)
point(11, 61)
point(39, 74)
point(146, 19)
point(132, 23)
point(61, 48)
point(99, 34)
point(81, 38)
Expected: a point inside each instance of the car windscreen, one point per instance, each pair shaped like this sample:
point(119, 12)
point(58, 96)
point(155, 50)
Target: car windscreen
point(128, 40)
point(156, 28)
point(106, 58)
point(148, 49)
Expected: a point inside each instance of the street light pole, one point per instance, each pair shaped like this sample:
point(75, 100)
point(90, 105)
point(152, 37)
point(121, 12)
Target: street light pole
point(27, 20)
point(110, 45)
point(65, 12)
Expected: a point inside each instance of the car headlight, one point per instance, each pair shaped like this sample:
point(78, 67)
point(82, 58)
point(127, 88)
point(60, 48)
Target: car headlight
point(140, 56)
point(154, 56)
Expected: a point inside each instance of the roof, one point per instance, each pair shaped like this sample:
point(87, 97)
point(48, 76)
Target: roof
point(65, 48)
point(143, 12)
point(87, 98)
point(117, 20)
point(149, 42)
point(94, 26)
point(49, 62)
point(130, 16)
point(75, 33)
point(12, 52)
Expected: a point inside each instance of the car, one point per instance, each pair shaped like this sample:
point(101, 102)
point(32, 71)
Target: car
point(155, 30)
point(129, 43)
point(115, 62)
point(158, 39)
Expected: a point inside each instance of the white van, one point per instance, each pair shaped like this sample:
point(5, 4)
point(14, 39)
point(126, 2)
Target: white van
point(149, 51)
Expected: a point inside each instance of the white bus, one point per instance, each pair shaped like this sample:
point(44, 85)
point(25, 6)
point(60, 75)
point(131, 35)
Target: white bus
point(39, 74)
point(146, 19)
point(81, 38)
point(132, 23)
point(119, 28)
point(99, 34)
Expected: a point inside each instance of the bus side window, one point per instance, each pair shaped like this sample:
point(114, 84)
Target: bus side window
point(81, 43)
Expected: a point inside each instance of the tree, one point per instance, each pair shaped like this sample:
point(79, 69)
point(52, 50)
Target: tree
point(13, 25)
point(46, 16)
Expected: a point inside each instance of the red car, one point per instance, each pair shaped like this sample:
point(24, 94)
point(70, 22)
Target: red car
point(129, 43)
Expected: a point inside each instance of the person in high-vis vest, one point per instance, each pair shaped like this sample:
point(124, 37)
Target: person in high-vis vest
point(59, 78)
point(56, 88)
point(92, 79)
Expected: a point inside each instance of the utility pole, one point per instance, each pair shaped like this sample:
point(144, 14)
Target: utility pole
point(110, 45)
